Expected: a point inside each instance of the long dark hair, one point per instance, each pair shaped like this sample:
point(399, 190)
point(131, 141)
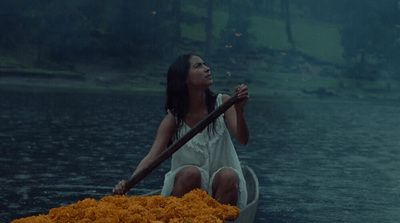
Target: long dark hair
point(178, 93)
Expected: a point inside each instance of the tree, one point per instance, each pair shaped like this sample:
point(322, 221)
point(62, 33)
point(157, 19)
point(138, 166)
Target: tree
point(176, 14)
point(11, 22)
point(369, 32)
point(270, 7)
point(235, 35)
point(286, 14)
point(209, 26)
point(137, 29)
point(369, 36)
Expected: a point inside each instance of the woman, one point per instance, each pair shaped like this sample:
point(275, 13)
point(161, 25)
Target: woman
point(209, 160)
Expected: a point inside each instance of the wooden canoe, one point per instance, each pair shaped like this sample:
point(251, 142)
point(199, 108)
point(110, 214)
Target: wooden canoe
point(248, 214)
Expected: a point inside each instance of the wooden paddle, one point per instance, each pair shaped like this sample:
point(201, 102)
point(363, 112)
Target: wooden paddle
point(180, 142)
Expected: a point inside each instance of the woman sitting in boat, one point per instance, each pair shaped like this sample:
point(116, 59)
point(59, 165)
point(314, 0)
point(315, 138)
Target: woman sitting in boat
point(209, 160)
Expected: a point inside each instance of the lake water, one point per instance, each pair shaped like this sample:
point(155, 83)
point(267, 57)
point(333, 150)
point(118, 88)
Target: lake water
point(324, 160)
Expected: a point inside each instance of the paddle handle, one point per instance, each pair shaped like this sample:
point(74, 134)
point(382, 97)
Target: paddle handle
point(180, 142)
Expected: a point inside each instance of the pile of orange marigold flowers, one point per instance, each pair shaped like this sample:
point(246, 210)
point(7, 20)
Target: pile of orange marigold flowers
point(194, 207)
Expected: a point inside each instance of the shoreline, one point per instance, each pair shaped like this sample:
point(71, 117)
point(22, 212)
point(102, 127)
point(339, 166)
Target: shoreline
point(57, 84)
point(95, 85)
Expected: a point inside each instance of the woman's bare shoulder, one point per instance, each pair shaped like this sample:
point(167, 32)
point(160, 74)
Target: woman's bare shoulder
point(169, 116)
point(169, 120)
point(225, 97)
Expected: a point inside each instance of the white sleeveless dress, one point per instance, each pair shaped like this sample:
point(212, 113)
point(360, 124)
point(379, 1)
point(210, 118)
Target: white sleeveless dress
point(209, 151)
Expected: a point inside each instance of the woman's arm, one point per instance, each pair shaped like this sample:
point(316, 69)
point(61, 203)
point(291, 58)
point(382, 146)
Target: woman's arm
point(164, 134)
point(235, 117)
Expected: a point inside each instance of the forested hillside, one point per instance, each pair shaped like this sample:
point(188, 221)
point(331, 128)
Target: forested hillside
point(247, 40)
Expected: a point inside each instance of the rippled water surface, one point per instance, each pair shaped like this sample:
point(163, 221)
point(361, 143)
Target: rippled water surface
point(317, 161)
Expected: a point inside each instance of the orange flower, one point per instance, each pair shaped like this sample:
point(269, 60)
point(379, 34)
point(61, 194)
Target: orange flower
point(194, 207)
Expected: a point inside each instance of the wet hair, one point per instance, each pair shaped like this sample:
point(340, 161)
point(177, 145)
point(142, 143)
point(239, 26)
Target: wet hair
point(178, 93)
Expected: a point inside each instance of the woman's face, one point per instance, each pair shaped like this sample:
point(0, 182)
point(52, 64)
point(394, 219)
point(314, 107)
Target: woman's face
point(199, 74)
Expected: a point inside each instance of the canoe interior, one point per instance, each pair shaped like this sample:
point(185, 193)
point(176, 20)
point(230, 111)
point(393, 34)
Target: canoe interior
point(249, 212)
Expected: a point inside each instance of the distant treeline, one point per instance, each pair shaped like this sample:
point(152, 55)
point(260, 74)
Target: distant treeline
point(73, 30)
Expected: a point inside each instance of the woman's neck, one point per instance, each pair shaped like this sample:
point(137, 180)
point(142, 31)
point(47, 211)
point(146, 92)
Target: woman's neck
point(197, 101)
